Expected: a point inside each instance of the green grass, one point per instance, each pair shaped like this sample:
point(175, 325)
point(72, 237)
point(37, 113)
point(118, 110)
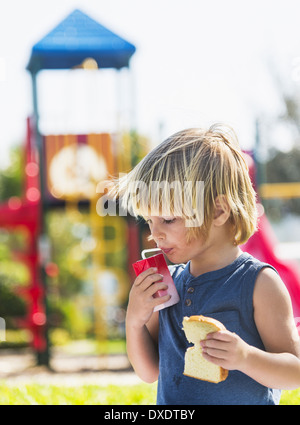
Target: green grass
point(290, 397)
point(37, 394)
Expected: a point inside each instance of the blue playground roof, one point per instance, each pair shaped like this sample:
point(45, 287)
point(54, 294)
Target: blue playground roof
point(77, 38)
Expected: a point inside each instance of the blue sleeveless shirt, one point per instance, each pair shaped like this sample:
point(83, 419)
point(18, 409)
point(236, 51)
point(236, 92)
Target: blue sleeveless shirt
point(226, 295)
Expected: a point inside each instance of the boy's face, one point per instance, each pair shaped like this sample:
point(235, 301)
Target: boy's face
point(170, 235)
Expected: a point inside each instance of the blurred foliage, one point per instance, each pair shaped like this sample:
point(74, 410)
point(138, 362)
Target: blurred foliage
point(282, 167)
point(11, 178)
point(11, 305)
point(16, 338)
point(73, 262)
point(139, 147)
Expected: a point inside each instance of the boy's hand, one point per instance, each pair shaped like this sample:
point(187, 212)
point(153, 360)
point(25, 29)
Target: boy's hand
point(225, 349)
point(141, 302)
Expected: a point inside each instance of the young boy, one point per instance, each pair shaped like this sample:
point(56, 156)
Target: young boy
point(213, 276)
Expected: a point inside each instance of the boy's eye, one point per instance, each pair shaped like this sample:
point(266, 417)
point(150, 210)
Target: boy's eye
point(165, 220)
point(169, 221)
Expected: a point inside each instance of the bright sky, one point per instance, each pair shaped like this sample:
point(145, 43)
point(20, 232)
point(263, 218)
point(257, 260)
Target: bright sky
point(197, 62)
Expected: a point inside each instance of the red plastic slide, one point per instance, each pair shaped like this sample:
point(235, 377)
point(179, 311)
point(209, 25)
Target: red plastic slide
point(262, 246)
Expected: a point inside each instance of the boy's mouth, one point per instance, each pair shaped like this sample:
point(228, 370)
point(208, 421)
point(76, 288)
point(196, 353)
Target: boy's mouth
point(166, 250)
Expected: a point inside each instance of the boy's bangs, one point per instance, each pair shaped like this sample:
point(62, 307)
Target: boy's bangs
point(166, 199)
point(152, 199)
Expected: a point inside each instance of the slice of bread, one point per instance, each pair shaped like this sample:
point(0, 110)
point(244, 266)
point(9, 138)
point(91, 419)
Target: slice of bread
point(196, 329)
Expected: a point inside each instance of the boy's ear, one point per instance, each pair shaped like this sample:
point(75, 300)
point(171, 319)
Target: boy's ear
point(222, 210)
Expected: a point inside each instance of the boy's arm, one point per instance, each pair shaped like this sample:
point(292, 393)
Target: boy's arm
point(142, 348)
point(279, 365)
point(142, 324)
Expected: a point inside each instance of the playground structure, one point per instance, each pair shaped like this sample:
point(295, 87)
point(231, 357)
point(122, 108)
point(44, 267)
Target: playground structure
point(63, 170)
point(25, 213)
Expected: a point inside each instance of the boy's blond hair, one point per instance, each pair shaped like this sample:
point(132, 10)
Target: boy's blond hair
point(211, 156)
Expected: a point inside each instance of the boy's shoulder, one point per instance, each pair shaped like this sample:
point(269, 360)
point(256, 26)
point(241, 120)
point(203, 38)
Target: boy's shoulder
point(259, 265)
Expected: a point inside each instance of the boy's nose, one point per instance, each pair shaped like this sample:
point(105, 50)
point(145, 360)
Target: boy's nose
point(157, 233)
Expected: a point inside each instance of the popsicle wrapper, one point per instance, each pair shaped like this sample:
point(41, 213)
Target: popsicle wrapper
point(162, 268)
